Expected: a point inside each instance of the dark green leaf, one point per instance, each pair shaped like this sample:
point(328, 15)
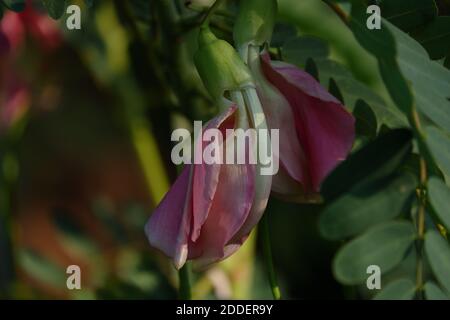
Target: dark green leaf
point(436, 37)
point(402, 289)
point(384, 245)
point(360, 209)
point(334, 90)
point(369, 165)
point(353, 90)
point(404, 64)
point(105, 213)
point(438, 253)
point(438, 143)
point(89, 3)
point(282, 33)
point(298, 50)
point(439, 196)
point(311, 68)
point(378, 41)
point(366, 120)
point(408, 14)
point(433, 292)
point(55, 8)
point(6, 256)
point(430, 81)
point(15, 5)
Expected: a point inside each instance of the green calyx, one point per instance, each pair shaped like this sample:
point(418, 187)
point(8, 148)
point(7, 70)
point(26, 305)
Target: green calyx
point(254, 24)
point(219, 65)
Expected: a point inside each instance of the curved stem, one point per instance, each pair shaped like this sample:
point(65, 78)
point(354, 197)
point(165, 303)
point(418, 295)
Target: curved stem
point(185, 285)
point(210, 12)
point(338, 10)
point(264, 229)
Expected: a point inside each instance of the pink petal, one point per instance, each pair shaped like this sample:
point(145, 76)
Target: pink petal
point(324, 128)
point(206, 177)
point(229, 208)
point(168, 227)
point(4, 45)
point(292, 160)
point(204, 209)
point(13, 29)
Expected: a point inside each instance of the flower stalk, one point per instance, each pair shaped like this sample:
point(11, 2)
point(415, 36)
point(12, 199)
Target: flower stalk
point(268, 259)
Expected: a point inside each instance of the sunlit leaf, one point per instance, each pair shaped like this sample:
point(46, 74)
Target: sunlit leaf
point(42, 269)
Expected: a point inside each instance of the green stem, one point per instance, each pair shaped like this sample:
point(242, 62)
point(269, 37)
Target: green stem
point(415, 120)
point(264, 229)
point(185, 285)
point(210, 12)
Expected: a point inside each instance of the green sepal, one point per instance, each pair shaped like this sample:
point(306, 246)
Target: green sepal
point(220, 67)
point(254, 24)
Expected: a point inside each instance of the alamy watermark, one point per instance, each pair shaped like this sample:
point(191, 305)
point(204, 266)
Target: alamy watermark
point(231, 146)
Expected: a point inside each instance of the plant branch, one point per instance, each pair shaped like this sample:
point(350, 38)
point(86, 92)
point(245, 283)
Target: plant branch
point(338, 10)
point(185, 284)
point(268, 259)
point(210, 12)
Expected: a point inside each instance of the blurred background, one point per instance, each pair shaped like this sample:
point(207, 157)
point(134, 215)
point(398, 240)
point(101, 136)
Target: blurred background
point(85, 123)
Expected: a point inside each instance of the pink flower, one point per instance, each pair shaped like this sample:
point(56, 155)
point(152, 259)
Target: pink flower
point(15, 96)
point(316, 131)
point(43, 30)
point(210, 210)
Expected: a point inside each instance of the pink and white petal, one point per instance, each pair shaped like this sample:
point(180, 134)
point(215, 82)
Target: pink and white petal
point(279, 116)
point(231, 206)
point(206, 176)
point(169, 226)
point(263, 185)
point(325, 129)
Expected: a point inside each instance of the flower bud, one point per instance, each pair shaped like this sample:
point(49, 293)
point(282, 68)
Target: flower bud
point(254, 24)
point(219, 65)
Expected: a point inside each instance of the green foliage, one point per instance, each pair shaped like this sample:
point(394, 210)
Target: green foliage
point(420, 89)
point(298, 49)
point(435, 37)
point(438, 142)
point(366, 206)
point(409, 15)
point(42, 269)
point(438, 253)
point(301, 50)
point(15, 5)
point(366, 120)
point(433, 292)
point(368, 166)
point(402, 289)
point(384, 245)
point(55, 8)
point(439, 195)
